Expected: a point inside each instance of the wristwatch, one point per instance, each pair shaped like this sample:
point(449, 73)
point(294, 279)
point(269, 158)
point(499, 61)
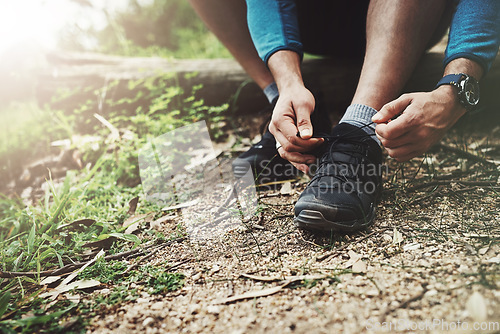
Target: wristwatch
point(468, 88)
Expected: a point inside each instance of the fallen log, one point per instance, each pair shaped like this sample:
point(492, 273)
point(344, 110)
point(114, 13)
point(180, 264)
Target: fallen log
point(221, 79)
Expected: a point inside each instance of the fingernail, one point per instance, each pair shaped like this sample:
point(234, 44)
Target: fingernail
point(375, 117)
point(305, 132)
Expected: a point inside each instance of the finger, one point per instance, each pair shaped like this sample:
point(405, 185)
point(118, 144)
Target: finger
point(396, 128)
point(296, 144)
point(302, 167)
point(406, 139)
point(392, 109)
point(404, 153)
point(304, 125)
point(295, 157)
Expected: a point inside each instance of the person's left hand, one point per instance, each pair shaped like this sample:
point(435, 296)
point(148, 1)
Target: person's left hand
point(424, 119)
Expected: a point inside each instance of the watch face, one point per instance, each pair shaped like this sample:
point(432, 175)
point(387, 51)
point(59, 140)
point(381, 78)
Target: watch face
point(470, 91)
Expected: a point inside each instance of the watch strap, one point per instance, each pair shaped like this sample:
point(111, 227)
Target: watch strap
point(450, 79)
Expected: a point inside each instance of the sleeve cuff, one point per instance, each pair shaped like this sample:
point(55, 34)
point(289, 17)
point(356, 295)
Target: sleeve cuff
point(291, 47)
point(485, 66)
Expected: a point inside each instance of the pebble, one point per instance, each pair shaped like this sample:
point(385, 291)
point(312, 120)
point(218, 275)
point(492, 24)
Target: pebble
point(148, 321)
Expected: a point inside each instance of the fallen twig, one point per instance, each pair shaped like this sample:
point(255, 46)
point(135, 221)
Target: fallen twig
point(465, 154)
point(404, 304)
point(337, 251)
point(136, 263)
point(448, 182)
point(70, 267)
point(269, 291)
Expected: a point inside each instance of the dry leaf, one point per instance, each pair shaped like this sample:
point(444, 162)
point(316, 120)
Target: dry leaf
point(73, 298)
point(104, 243)
point(115, 134)
point(76, 273)
point(495, 259)
point(359, 267)
point(77, 225)
point(159, 222)
point(50, 279)
point(255, 294)
point(181, 206)
point(412, 246)
point(397, 237)
point(269, 291)
point(476, 306)
point(132, 205)
point(286, 188)
point(79, 285)
point(484, 250)
point(67, 286)
point(354, 257)
point(132, 223)
point(262, 278)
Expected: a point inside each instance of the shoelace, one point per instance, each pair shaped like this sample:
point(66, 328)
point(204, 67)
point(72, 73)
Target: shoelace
point(335, 139)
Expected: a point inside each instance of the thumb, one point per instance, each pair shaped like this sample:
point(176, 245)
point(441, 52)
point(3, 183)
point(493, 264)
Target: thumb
point(304, 124)
point(392, 109)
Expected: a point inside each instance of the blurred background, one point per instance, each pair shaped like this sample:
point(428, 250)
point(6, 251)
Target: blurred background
point(29, 29)
point(39, 104)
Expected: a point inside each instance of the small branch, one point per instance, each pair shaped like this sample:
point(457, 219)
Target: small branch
point(465, 154)
point(404, 304)
point(337, 251)
point(71, 267)
point(448, 182)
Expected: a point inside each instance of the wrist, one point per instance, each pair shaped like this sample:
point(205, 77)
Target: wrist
point(448, 96)
point(285, 67)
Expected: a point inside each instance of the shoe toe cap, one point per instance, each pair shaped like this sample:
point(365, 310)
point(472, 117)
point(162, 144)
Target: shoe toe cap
point(341, 208)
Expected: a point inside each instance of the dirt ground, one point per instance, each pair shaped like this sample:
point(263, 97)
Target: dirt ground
point(429, 264)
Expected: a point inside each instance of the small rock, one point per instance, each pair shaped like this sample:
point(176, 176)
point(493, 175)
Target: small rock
point(431, 292)
point(213, 309)
point(476, 306)
point(148, 321)
point(158, 306)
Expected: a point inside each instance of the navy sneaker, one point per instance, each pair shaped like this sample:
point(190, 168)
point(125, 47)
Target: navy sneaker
point(344, 192)
point(263, 159)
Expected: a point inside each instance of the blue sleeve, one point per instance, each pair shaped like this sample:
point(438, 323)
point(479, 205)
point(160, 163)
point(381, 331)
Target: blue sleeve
point(475, 32)
point(273, 26)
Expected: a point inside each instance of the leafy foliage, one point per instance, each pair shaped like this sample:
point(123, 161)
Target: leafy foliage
point(167, 28)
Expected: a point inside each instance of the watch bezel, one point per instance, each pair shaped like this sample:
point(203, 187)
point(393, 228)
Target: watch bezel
point(469, 91)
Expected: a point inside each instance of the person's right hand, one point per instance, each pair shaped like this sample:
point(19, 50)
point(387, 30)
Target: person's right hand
point(292, 115)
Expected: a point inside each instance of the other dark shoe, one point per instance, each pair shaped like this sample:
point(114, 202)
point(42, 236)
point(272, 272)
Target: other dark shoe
point(344, 193)
point(265, 162)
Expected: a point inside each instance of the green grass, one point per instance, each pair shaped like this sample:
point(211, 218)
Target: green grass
point(37, 237)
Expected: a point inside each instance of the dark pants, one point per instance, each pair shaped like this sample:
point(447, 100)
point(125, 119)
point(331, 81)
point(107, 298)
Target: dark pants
point(337, 28)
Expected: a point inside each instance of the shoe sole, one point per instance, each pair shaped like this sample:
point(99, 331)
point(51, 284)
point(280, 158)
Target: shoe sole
point(314, 220)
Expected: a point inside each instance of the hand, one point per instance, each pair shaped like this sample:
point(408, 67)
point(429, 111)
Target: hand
point(424, 119)
point(291, 115)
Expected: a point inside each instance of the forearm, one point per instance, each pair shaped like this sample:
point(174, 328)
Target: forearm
point(285, 67)
point(466, 66)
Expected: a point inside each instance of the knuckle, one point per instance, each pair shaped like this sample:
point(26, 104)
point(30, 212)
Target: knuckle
point(303, 122)
point(286, 146)
point(389, 135)
point(292, 139)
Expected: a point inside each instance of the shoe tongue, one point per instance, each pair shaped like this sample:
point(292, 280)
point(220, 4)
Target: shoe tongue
point(355, 140)
point(344, 129)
